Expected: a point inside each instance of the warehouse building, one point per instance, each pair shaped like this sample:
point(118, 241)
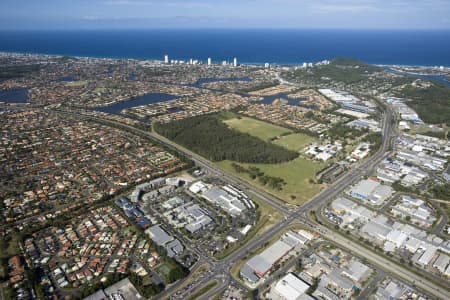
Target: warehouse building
point(290, 287)
point(372, 191)
point(441, 262)
point(261, 264)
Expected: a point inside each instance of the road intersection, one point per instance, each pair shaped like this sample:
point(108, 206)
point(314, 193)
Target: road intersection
point(221, 270)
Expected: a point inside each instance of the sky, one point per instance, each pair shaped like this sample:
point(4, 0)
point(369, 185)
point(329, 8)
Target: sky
point(324, 14)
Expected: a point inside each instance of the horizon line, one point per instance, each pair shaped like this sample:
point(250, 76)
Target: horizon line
point(227, 28)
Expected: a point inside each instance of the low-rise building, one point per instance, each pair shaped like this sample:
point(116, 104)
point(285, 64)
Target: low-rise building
point(441, 262)
point(372, 191)
point(260, 265)
point(360, 152)
point(369, 124)
point(228, 202)
point(158, 235)
point(290, 287)
point(414, 209)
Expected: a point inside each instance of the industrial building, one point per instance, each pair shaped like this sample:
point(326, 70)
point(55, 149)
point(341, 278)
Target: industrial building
point(260, 265)
point(441, 262)
point(416, 209)
point(390, 291)
point(290, 287)
point(369, 124)
point(348, 101)
point(392, 170)
point(225, 200)
point(356, 271)
point(372, 191)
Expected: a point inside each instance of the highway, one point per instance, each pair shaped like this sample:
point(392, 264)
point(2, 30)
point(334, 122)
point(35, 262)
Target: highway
point(213, 169)
point(300, 213)
point(291, 214)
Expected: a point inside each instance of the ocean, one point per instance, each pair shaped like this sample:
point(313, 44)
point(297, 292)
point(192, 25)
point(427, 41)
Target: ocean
point(402, 47)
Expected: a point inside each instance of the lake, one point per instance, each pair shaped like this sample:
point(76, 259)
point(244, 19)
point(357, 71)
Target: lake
point(137, 101)
point(19, 95)
point(269, 99)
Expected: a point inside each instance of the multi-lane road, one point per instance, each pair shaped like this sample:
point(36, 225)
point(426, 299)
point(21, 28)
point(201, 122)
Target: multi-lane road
point(221, 270)
point(290, 214)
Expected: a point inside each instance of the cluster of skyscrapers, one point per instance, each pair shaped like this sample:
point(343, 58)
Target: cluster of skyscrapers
point(195, 62)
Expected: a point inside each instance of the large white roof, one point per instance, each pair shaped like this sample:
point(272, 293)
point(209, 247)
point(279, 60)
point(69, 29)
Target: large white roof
point(291, 287)
point(275, 252)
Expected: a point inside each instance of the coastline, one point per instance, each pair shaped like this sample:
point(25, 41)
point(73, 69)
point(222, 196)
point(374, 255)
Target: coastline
point(243, 63)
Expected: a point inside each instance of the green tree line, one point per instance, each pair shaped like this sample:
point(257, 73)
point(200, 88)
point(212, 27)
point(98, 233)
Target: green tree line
point(211, 138)
point(275, 183)
point(431, 103)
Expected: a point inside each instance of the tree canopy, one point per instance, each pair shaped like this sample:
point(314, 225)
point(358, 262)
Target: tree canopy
point(208, 136)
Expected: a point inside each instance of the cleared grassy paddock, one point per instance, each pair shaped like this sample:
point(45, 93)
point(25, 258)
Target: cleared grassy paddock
point(294, 141)
point(259, 129)
point(296, 173)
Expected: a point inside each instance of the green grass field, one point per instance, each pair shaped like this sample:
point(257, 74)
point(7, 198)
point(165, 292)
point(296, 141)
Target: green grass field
point(296, 173)
point(295, 141)
point(259, 129)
